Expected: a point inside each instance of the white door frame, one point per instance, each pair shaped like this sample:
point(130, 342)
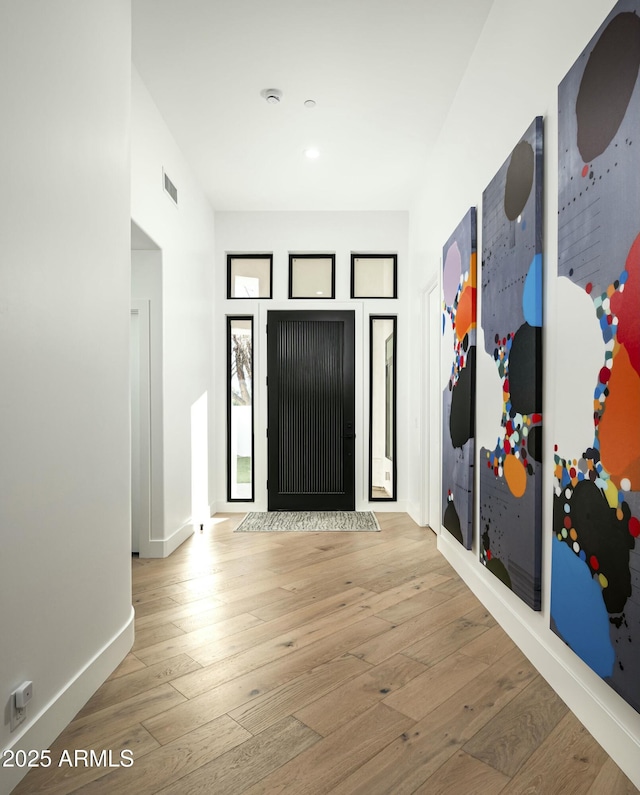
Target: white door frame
point(431, 407)
point(140, 429)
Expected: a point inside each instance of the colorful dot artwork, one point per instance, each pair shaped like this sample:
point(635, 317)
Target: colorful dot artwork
point(458, 398)
point(510, 457)
point(613, 478)
point(595, 584)
point(512, 275)
point(462, 314)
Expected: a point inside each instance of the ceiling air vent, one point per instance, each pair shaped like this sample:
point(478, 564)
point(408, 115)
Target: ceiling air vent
point(170, 188)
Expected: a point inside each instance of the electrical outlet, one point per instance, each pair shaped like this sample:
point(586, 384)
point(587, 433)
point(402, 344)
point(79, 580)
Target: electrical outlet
point(20, 697)
point(18, 714)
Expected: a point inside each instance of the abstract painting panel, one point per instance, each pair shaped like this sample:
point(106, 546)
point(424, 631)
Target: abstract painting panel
point(510, 468)
point(595, 577)
point(458, 399)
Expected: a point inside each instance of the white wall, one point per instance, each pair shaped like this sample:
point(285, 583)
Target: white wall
point(523, 53)
point(65, 569)
point(185, 235)
point(310, 232)
point(146, 285)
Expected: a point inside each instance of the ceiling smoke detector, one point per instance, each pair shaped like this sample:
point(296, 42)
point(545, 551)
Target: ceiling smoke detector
point(272, 95)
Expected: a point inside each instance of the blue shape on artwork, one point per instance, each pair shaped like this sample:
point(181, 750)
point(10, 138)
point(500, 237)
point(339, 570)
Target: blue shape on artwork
point(578, 609)
point(607, 333)
point(532, 293)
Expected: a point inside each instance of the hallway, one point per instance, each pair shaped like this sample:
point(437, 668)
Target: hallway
point(322, 663)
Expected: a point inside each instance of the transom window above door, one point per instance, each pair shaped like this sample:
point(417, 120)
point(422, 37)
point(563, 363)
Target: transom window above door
point(249, 275)
point(312, 275)
point(374, 275)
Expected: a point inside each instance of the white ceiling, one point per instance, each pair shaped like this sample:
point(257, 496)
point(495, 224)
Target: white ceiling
point(382, 72)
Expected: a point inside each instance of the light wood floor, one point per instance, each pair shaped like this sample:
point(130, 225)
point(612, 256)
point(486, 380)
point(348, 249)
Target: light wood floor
point(323, 663)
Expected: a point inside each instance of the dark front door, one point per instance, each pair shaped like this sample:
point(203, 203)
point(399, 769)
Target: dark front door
point(311, 389)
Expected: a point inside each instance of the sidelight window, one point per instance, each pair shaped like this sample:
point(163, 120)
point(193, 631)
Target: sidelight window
point(382, 408)
point(240, 445)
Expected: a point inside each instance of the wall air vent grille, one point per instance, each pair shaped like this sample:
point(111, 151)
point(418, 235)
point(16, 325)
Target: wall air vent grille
point(170, 188)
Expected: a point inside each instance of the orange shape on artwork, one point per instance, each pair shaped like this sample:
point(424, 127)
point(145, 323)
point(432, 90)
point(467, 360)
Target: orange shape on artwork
point(516, 475)
point(625, 306)
point(472, 269)
point(618, 429)
point(466, 312)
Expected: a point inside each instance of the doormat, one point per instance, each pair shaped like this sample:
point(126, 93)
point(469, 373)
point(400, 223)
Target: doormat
point(308, 521)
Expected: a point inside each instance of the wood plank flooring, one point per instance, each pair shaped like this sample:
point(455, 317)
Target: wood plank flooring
point(308, 663)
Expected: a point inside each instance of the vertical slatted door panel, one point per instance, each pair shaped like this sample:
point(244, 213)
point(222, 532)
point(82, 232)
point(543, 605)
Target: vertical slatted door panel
point(310, 412)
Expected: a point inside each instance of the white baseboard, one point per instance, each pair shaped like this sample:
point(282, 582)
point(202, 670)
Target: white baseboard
point(43, 729)
point(245, 507)
point(384, 507)
point(163, 547)
point(415, 512)
point(611, 721)
point(236, 507)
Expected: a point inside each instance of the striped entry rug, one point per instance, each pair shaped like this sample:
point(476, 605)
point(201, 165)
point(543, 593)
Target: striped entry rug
point(308, 521)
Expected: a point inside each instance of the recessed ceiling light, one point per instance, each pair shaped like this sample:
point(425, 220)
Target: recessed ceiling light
point(309, 103)
point(272, 95)
point(312, 153)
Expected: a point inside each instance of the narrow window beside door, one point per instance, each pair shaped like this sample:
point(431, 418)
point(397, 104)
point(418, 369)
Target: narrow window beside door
point(382, 408)
point(240, 463)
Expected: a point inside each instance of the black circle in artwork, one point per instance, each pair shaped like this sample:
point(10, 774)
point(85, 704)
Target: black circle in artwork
point(602, 535)
point(519, 180)
point(451, 521)
point(525, 370)
point(461, 419)
point(607, 84)
point(534, 442)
